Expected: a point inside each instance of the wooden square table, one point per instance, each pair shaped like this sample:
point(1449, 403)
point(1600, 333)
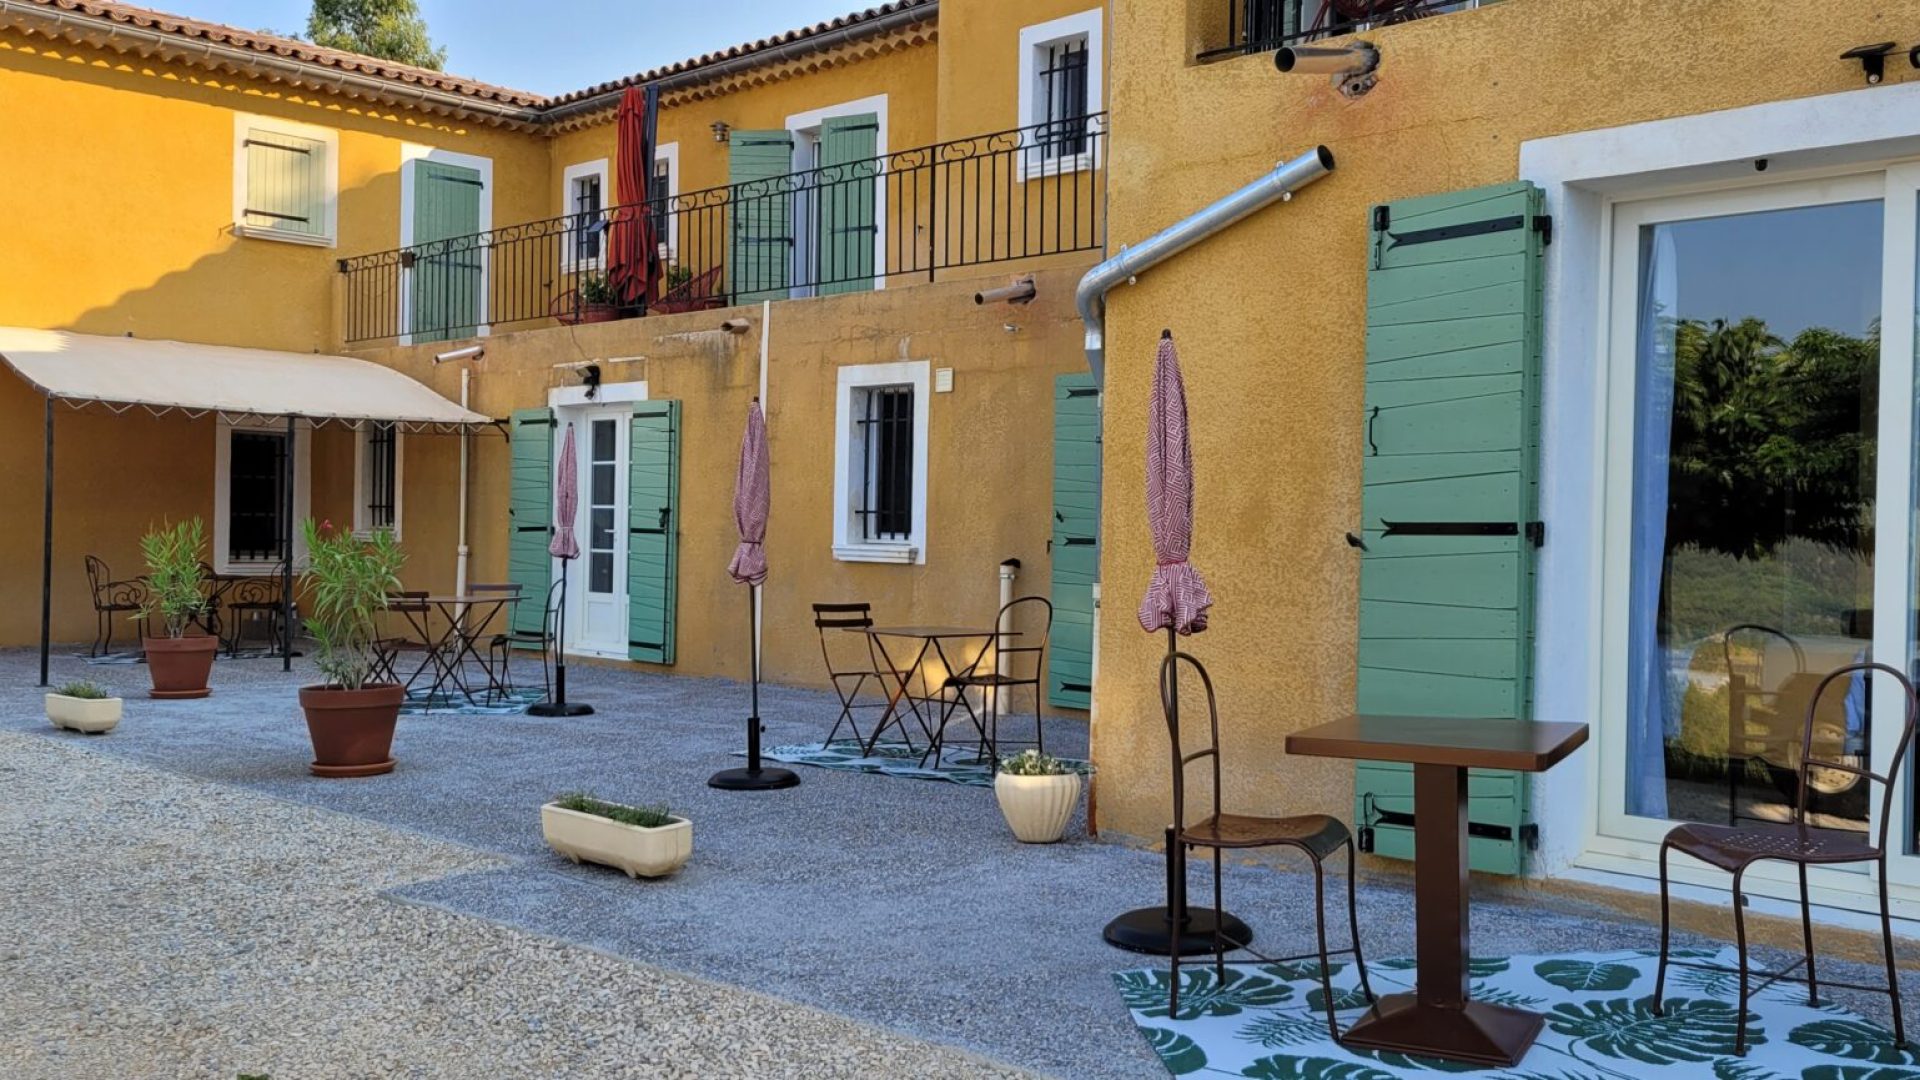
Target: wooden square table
point(1439, 1019)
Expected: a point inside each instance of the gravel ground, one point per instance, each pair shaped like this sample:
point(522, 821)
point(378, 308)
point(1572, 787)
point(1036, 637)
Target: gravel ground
point(157, 926)
point(896, 902)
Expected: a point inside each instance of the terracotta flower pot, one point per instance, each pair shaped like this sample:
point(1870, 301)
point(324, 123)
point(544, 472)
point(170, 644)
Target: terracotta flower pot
point(179, 666)
point(352, 730)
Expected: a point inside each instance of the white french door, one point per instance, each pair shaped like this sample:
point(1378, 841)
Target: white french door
point(597, 590)
point(1760, 512)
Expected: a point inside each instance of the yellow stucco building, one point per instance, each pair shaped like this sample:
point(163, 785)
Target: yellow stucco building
point(833, 200)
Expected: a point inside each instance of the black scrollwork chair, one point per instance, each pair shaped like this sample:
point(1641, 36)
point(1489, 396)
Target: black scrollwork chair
point(1314, 835)
point(1735, 850)
point(111, 600)
point(252, 599)
point(845, 671)
point(538, 641)
point(1006, 668)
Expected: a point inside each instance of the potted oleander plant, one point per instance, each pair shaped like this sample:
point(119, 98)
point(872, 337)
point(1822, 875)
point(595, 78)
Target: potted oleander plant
point(181, 662)
point(1037, 794)
point(350, 717)
point(84, 707)
point(644, 841)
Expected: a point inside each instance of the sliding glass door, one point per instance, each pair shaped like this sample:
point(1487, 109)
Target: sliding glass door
point(1759, 502)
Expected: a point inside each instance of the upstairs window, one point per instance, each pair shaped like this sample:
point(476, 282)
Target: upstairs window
point(1060, 93)
point(285, 180)
point(585, 196)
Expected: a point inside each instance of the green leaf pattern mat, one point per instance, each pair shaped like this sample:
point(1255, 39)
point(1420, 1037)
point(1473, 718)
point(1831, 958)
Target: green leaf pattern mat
point(1266, 1021)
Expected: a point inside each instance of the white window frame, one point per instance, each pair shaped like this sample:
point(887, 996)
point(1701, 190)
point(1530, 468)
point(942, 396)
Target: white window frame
point(223, 430)
point(572, 174)
point(804, 127)
point(1036, 39)
point(670, 153)
point(848, 546)
point(410, 153)
point(362, 524)
point(243, 123)
point(1585, 176)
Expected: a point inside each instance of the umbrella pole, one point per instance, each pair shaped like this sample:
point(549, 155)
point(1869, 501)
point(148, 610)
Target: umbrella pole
point(1160, 931)
point(560, 706)
point(753, 777)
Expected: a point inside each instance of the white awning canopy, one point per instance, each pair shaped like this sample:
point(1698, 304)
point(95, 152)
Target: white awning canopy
point(124, 373)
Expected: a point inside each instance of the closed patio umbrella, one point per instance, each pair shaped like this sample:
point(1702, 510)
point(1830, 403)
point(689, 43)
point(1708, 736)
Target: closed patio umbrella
point(752, 494)
point(1177, 601)
point(633, 251)
point(564, 546)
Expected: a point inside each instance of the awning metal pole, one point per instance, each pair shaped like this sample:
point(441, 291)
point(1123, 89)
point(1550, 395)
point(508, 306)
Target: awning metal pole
point(46, 555)
point(286, 552)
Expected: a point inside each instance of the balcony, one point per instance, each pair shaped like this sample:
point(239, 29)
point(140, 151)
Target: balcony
point(1255, 26)
point(1006, 196)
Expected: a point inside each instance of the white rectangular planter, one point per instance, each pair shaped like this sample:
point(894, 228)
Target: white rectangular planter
point(94, 716)
point(640, 852)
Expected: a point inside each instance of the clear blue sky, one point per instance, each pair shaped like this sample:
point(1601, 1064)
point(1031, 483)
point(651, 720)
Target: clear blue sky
point(557, 45)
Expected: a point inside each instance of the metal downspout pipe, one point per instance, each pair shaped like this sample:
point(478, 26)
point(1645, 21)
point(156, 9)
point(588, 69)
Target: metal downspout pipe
point(1278, 185)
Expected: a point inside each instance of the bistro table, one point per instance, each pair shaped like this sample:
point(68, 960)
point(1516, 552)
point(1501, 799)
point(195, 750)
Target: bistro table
point(448, 651)
point(931, 640)
point(1439, 1019)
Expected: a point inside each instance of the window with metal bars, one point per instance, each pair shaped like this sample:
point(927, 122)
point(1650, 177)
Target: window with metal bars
point(1063, 98)
point(380, 481)
point(659, 205)
point(586, 213)
point(256, 509)
point(883, 431)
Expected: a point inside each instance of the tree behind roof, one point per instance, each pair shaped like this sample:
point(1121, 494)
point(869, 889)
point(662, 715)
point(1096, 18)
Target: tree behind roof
point(389, 29)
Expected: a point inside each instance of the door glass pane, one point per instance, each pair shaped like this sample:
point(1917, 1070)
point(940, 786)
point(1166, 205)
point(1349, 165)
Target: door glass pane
point(601, 506)
point(1752, 562)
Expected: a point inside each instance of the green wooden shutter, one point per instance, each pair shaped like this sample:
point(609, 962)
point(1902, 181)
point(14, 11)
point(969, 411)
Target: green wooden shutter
point(762, 210)
point(447, 261)
point(286, 183)
point(844, 203)
point(1451, 437)
point(653, 541)
point(1075, 546)
point(530, 516)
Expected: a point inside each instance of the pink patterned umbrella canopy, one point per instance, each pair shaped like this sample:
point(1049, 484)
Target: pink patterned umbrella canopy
point(1177, 597)
point(752, 490)
point(566, 501)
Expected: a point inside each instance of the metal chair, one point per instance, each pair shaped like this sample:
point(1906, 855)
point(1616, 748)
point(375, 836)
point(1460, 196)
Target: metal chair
point(240, 600)
point(998, 682)
point(1735, 850)
point(412, 607)
point(840, 619)
point(498, 684)
point(503, 645)
point(111, 599)
point(1315, 835)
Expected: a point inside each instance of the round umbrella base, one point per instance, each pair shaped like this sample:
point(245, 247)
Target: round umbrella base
point(753, 779)
point(1150, 930)
point(559, 708)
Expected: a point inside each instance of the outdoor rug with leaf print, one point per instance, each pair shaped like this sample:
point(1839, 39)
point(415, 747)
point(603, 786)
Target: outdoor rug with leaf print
point(1267, 1021)
point(423, 702)
point(957, 764)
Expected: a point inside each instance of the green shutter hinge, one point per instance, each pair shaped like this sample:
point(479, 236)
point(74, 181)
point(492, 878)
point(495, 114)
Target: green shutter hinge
point(1543, 224)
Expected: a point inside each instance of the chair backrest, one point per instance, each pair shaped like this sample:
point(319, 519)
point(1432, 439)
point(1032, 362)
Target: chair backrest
point(1013, 646)
point(1808, 762)
point(407, 600)
point(551, 617)
point(836, 617)
point(1170, 706)
point(97, 576)
point(1726, 650)
point(512, 588)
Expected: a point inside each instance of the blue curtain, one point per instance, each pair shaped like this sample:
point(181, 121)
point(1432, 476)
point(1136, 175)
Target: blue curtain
point(1652, 712)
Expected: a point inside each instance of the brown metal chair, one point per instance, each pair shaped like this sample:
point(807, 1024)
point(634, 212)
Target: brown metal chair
point(840, 619)
point(241, 600)
point(541, 641)
point(1008, 671)
point(412, 607)
point(1735, 850)
point(1314, 835)
point(112, 599)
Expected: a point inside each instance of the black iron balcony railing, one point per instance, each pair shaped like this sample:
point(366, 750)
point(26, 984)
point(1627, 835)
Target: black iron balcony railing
point(1255, 26)
point(1015, 194)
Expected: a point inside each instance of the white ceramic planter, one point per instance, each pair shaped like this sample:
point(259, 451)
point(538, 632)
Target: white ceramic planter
point(640, 852)
point(95, 716)
point(1037, 808)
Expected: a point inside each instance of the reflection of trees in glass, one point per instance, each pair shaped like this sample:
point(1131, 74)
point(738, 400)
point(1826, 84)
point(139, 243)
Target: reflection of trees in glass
point(1770, 438)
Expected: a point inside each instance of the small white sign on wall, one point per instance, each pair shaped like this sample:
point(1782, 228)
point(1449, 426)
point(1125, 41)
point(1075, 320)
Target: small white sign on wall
point(943, 380)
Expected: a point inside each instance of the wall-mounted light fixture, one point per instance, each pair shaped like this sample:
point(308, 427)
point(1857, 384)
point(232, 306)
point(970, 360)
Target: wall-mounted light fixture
point(1355, 68)
point(720, 129)
point(1873, 60)
point(590, 378)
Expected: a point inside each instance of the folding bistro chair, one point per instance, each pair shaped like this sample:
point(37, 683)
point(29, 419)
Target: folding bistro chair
point(412, 607)
point(839, 619)
point(1315, 835)
point(504, 644)
point(1735, 850)
point(498, 685)
point(1007, 672)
